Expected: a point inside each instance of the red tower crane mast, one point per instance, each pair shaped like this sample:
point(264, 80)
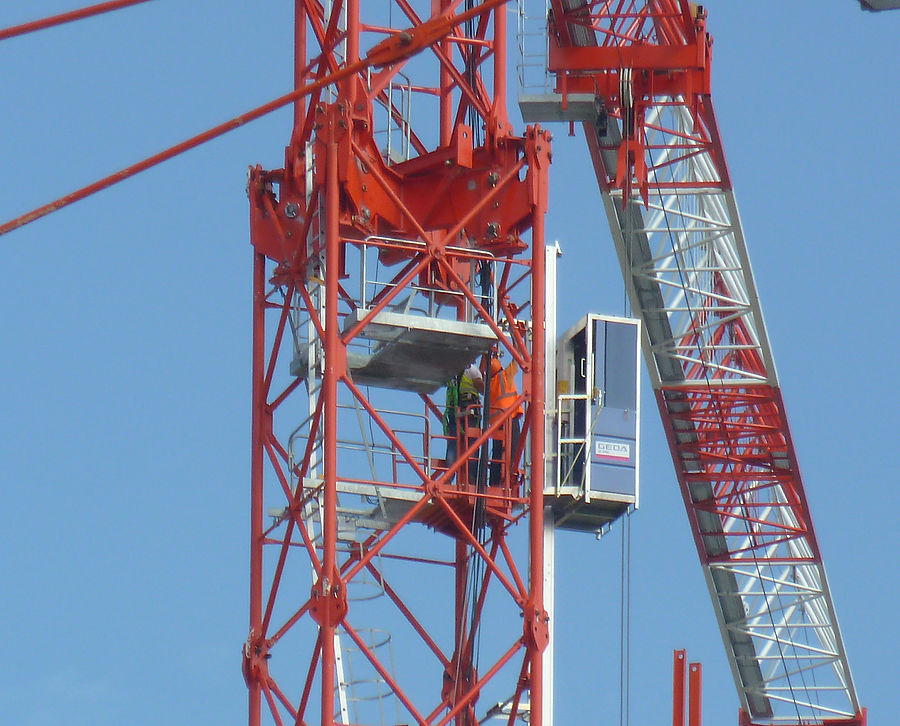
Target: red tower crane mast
point(388, 257)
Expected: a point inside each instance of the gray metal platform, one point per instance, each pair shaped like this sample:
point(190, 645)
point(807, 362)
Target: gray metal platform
point(550, 107)
point(412, 352)
point(572, 512)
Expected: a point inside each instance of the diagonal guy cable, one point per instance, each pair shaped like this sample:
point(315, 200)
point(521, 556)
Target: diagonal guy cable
point(397, 47)
point(50, 22)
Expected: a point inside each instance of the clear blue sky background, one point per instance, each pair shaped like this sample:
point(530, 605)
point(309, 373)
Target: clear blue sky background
point(125, 329)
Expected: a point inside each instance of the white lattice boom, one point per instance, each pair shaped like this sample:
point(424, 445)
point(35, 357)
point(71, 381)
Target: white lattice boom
point(660, 165)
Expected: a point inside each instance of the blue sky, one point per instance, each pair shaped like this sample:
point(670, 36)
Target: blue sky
point(125, 325)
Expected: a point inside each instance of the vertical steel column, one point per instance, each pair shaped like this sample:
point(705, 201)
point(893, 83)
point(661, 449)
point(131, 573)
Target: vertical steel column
point(460, 635)
point(549, 544)
point(446, 86)
point(695, 685)
point(256, 471)
point(536, 415)
point(678, 673)
point(500, 64)
point(299, 61)
point(329, 387)
point(352, 31)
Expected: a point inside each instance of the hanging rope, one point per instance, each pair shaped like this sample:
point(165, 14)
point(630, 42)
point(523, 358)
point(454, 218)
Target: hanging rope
point(625, 624)
point(720, 417)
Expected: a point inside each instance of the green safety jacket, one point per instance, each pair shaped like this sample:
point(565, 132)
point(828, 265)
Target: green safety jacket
point(461, 392)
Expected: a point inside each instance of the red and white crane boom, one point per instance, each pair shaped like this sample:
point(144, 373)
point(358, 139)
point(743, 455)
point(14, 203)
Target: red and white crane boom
point(637, 75)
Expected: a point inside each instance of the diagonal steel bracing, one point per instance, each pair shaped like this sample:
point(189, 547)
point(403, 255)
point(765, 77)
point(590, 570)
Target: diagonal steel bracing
point(666, 189)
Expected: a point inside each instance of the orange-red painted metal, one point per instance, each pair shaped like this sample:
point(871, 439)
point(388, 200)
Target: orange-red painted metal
point(695, 691)
point(375, 214)
point(617, 64)
point(68, 17)
point(660, 165)
point(387, 53)
point(679, 672)
point(466, 201)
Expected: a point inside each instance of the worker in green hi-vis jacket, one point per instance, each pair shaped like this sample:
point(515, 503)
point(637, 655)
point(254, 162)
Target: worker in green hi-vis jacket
point(462, 410)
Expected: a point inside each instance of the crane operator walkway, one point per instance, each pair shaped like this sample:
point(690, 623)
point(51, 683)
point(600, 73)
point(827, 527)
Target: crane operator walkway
point(416, 353)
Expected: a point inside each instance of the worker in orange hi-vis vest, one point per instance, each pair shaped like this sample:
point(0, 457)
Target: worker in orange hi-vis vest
point(502, 395)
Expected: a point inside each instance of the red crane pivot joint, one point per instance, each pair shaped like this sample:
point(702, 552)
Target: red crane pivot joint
point(639, 59)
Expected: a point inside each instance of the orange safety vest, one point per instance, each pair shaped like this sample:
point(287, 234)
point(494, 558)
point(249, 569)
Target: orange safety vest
point(503, 388)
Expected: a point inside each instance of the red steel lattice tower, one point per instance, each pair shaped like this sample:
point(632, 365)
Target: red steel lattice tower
point(388, 257)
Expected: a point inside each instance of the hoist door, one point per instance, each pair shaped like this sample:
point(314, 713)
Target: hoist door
point(597, 423)
point(615, 425)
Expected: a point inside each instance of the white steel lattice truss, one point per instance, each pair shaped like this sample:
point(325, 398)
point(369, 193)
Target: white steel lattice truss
point(688, 276)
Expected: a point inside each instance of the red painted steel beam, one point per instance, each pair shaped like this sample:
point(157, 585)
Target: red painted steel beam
point(392, 50)
point(300, 21)
point(253, 649)
point(536, 617)
point(329, 582)
point(695, 689)
point(645, 57)
point(679, 668)
point(62, 18)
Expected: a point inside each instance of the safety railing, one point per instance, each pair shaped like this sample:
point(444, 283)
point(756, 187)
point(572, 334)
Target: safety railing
point(491, 464)
point(371, 456)
point(572, 460)
point(368, 695)
point(532, 40)
point(433, 300)
point(393, 126)
point(476, 267)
